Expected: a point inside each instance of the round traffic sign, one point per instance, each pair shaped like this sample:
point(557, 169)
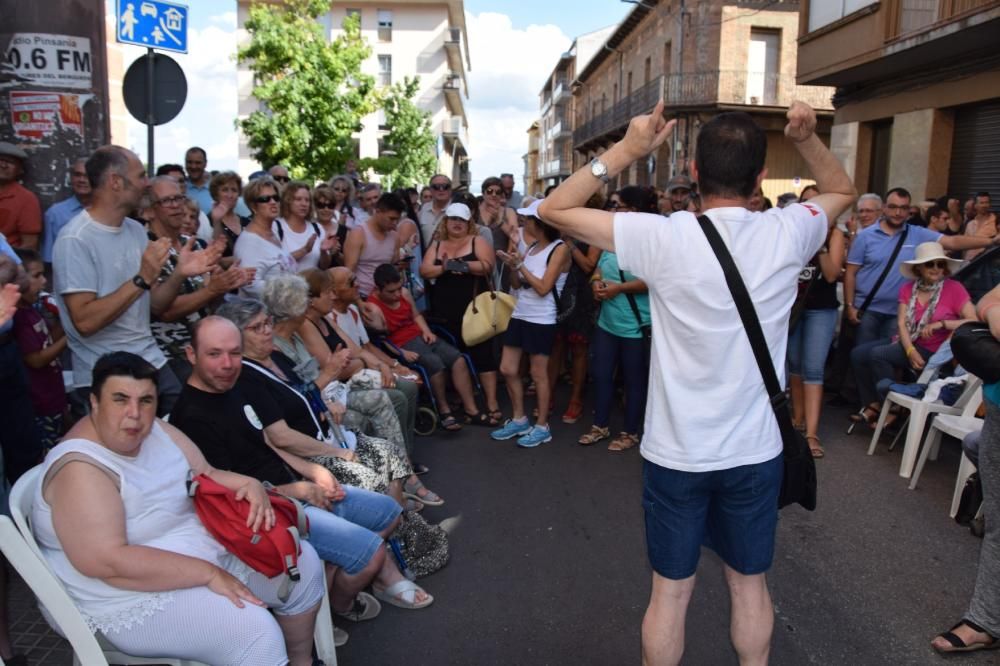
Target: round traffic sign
point(169, 89)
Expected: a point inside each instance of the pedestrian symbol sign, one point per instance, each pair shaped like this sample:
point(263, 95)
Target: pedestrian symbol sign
point(154, 24)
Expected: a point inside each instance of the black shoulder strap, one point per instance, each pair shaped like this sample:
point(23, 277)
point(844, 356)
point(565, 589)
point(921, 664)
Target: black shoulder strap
point(631, 301)
point(555, 290)
point(885, 271)
point(279, 231)
point(751, 324)
point(316, 230)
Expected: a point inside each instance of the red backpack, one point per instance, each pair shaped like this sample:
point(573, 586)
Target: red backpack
point(272, 553)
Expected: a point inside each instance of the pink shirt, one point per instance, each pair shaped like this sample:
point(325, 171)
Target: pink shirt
point(949, 307)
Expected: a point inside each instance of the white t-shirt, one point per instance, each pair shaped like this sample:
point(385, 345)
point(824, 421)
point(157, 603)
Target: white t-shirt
point(269, 259)
point(351, 324)
point(292, 241)
point(707, 408)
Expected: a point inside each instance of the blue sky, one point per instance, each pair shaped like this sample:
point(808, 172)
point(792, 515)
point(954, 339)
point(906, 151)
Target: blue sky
point(514, 44)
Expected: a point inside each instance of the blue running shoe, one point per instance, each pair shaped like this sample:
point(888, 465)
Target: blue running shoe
point(511, 429)
point(537, 435)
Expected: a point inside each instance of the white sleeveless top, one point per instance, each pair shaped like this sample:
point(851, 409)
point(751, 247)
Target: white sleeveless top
point(158, 514)
point(530, 306)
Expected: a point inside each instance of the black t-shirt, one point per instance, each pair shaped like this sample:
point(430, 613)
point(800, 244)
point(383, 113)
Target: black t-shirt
point(822, 295)
point(228, 431)
point(273, 400)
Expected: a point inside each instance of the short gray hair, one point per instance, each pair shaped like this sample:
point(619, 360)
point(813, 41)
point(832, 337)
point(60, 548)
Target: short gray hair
point(241, 311)
point(870, 196)
point(286, 296)
point(104, 161)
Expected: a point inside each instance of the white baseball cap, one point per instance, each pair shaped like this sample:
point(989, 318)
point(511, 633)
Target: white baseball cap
point(532, 209)
point(458, 210)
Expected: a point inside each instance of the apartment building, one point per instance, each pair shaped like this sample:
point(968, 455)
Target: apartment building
point(556, 108)
point(532, 183)
point(918, 90)
point(702, 58)
point(409, 38)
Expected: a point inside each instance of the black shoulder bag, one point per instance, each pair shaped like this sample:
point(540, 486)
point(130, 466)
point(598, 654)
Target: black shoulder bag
point(646, 330)
point(798, 484)
point(885, 272)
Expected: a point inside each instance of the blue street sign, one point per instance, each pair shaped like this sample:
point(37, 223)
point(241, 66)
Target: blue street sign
point(154, 24)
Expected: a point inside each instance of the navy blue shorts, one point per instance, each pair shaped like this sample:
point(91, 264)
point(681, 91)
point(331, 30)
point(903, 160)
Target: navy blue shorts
point(530, 337)
point(732, 511)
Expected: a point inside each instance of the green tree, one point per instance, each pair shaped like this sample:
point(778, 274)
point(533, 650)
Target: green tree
point(409, 137)
point(312, 90)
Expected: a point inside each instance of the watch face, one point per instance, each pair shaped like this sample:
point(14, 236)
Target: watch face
point(598, 168)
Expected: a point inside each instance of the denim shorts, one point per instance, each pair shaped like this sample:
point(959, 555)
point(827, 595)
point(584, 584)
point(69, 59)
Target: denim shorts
point(732, 511)
point(347, 534)
point(809, 343)
point(530, 337)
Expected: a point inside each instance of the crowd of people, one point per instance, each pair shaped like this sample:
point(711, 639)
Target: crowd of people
point(293, 332)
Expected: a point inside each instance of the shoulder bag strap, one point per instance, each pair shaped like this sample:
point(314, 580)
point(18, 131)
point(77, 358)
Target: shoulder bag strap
point(548, 259)
point(751, 324)
point(632, 302)
point(885, 271)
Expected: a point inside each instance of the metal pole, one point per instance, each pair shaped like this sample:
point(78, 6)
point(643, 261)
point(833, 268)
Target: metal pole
point(680, 90)
point(150, 118)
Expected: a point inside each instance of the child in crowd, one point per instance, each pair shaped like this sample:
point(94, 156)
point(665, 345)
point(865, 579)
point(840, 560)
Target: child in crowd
point(40, 351)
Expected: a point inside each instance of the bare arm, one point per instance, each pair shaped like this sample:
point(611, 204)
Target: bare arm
point(353, 245)
point(988, 310)
point(837, 192)
point(952, 243)
point(831, 262)
point(850, 280)
point(43, 357)
point(543, 285)
point(284, 437)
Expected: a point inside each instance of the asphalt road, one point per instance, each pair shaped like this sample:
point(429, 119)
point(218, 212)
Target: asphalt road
point(548, 562)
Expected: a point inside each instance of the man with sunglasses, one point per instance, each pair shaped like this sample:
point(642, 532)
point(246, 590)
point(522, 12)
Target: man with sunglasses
point(432, 212)
point(870, 256)
point(280, 174)
point(106, 274)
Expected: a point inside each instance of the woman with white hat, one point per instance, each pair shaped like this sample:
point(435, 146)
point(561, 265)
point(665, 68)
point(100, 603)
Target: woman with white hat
point(930, 308)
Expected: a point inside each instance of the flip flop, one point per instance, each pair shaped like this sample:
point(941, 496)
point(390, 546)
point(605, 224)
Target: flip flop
point(412, 490)
point(402, 595)
point(816, 451)
point(413, 505)
point(449, 423)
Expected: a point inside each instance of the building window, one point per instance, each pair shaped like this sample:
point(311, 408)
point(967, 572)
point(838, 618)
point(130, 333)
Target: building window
point(385, 25)
point(762, 67)
point(628, 84)
point(825, 12)
point(647, 74)
point(385, 70)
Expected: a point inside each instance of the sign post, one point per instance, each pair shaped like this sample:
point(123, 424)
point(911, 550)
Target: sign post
point(155, 24)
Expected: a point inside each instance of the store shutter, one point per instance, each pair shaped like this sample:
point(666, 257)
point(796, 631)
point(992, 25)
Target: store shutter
point(975, 152)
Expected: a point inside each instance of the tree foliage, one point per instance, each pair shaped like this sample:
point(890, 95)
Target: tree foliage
point(409, 136)
point(312, 90)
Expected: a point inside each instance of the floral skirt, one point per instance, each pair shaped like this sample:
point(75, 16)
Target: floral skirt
point(378, 463)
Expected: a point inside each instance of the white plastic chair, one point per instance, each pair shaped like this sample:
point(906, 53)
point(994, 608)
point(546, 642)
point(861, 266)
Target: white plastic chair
point(89, 648)
point(919, 411)
point(956, 425)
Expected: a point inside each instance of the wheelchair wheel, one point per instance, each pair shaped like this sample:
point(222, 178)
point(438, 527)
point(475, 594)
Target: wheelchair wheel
point(426, 421)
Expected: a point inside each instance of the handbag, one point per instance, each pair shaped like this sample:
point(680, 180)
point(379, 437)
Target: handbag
point(798, 483)
point(977, 351)
point(487, 315)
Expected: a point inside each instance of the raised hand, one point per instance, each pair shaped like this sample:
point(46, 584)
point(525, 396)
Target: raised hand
point(9, 296)
point(801, 122)
point(647, 133)
point(192, 261)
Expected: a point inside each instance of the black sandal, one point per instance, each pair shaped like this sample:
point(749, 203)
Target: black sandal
point(958, 645)
point(479, 419)
point(450, 423)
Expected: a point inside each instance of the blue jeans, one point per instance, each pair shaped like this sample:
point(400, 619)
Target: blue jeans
point(878, 360)
point(809, 343)
point(875, 326)
point(347, 534)
point(608, 352)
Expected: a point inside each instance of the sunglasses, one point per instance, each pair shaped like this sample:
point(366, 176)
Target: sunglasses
point(939, 263)
point(493, 192)
point(268, 199)
point(440, 187)
point(322, 205)
point(282, 179)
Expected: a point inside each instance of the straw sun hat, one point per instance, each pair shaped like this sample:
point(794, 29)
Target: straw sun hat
point(927, 252)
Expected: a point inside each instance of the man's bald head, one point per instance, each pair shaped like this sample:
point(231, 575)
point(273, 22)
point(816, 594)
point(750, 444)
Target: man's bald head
point(210, 327)
point(340, 275)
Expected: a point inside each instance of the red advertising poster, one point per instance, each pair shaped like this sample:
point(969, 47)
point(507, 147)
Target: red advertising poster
point(37, 115)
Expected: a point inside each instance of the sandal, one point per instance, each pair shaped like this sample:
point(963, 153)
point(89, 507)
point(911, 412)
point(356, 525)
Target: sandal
point(958, 645)
point(867, 415)
point(573, 412)
point(479, 419)
point(496, 417)
point(816, 451)
point(411, 490)
point(596, 434)
point(413, 505)
point(623, 442)
point(450, 423)
point(403, 594)
point(364, 607)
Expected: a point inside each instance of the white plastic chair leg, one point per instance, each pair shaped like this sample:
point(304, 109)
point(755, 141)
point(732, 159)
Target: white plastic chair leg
point(931, 443)
point(882, 415)
point(323, 636)
point(914, 433)
point(965, 470)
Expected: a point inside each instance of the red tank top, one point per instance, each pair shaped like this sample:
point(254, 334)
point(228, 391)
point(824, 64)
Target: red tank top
point(402, 326)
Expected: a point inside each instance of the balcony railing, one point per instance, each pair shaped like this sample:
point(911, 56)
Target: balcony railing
point(908, 16)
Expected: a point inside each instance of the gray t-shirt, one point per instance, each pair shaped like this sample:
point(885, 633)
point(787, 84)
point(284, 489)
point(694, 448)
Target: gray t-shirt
point(96, 258)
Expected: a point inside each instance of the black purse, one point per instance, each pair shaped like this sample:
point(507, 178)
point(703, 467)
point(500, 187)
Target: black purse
point(798, 484)
point(977, 351)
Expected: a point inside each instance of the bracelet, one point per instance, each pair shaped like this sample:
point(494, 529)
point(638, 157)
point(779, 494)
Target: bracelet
point(910, 350)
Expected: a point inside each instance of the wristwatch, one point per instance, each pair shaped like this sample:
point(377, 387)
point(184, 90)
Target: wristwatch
point(599, 170)
point(142, 284)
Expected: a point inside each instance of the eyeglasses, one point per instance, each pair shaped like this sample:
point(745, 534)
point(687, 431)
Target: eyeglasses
point(325, 205)
point(281, 179)
point(261, 326)
point(493, 192)
point(176, 200)
point(440, 187)
point(869, 211)
point(79, 174)
point(268, 199)
point(939, 263)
